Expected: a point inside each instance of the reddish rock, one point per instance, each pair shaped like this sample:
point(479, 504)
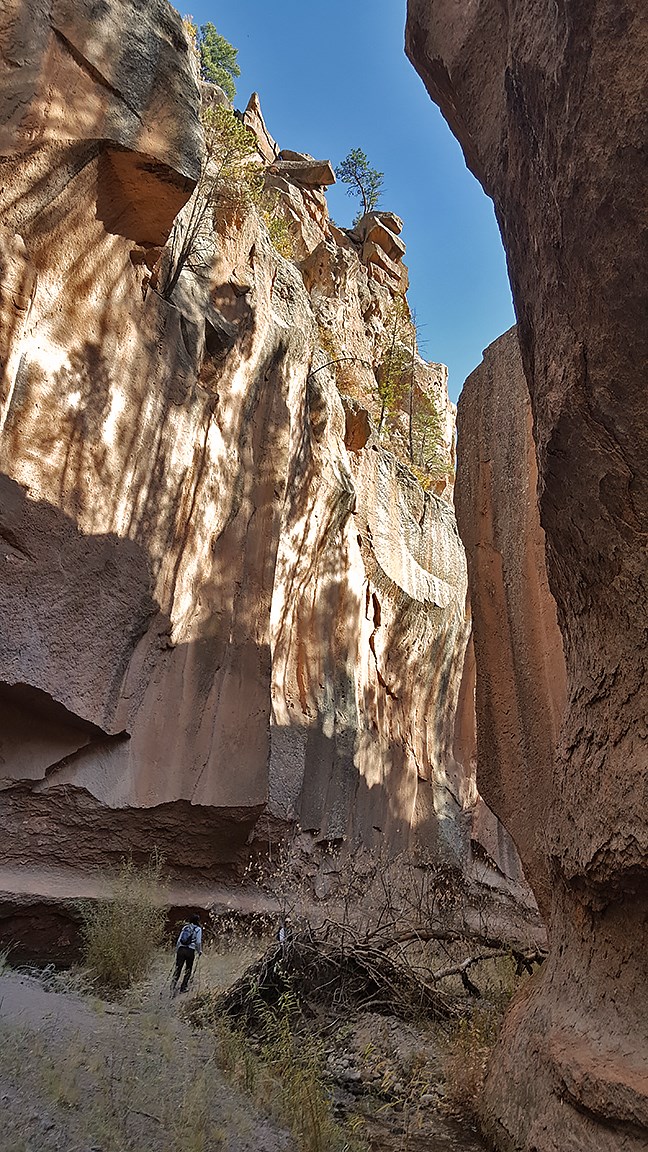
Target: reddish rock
point(218, 622)
point(253, 119)
point(357, 426)
point(548, 102)
point(521, 682)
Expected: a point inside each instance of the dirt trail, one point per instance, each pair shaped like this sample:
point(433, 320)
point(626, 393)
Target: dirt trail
point(80, 1075)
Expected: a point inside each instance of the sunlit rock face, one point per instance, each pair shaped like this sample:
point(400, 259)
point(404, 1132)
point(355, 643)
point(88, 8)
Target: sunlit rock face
point(224, 612)
point(521, 680)
point(547, 104)
point(369, 633)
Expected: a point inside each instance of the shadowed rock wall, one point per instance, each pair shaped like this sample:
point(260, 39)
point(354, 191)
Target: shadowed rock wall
point(218, 620)
point(521, 681)
point(548, 101)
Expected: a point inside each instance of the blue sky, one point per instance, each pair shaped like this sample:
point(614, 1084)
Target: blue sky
point(334, 77)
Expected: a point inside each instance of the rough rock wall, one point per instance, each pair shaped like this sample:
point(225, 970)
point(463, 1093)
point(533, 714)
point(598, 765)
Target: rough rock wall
point(521, 680)
point(206, 628)
point(548, 101)
point(369, 640)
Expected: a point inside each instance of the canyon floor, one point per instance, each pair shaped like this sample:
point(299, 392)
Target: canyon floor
point(79, 1073)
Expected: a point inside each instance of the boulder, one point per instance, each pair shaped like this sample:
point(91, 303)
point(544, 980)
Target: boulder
point(376, 227)
point(213, 96)
point(305, 171)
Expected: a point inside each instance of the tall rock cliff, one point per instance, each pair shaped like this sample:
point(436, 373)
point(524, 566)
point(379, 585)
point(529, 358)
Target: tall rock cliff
point(521, 680)
point(548, 101)
point(226, 609)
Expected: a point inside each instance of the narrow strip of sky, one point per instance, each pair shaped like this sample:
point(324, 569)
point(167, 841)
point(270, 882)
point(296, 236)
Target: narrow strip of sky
point(334, 76)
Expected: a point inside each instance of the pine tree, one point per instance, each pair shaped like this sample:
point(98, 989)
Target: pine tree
point(364, 181)
point(218, 59)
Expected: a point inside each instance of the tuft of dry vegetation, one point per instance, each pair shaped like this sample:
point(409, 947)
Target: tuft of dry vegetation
point(283, 1067)
point(122, 933)
point(271, 212)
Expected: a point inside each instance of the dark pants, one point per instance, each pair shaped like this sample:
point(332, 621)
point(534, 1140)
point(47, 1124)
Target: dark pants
point(184, 956)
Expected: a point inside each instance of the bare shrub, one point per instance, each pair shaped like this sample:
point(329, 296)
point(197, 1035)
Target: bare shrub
point(121, 933)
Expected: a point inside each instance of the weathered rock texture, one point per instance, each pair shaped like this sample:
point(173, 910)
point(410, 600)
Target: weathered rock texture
point(521, 680)
point(220, 615)
point(548, 101)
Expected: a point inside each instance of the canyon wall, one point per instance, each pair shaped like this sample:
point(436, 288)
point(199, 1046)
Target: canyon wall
point(521, 679)
point(227, 611)
point(548, 102)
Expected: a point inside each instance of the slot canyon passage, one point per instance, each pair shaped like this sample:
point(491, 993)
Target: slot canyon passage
point(237, 613)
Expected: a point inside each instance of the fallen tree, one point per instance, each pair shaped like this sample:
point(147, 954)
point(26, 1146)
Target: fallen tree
point(383, 973)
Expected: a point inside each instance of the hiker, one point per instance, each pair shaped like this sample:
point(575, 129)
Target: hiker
point(284, 935)
point(189, 943)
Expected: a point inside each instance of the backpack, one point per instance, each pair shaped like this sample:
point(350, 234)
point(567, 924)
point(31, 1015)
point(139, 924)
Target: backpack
point(188, 935)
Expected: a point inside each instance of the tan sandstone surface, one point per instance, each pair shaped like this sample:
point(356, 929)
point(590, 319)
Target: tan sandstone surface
point(226, 609)
point(548, 101)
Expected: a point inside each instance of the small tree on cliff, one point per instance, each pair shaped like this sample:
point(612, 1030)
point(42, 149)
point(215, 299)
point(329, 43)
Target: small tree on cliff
point(428, 452)
point(362, 180)
point(229, 181)
point(417, 434)
point(217, 59)
point(396, 358)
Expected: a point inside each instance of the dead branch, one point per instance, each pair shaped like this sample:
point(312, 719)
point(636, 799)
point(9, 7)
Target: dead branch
point(459, 969)
point(524, 962)
point(375, 974)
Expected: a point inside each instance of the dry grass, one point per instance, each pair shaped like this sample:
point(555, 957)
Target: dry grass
point(473, 1039)
point(121, 934)
point(283, 1068)
point(149, 1085)
point(469, 1051)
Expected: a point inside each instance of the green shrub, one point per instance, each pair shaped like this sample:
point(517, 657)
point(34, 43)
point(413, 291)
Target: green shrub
point(122, 932)
point(229, 184)
point(276, 223)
